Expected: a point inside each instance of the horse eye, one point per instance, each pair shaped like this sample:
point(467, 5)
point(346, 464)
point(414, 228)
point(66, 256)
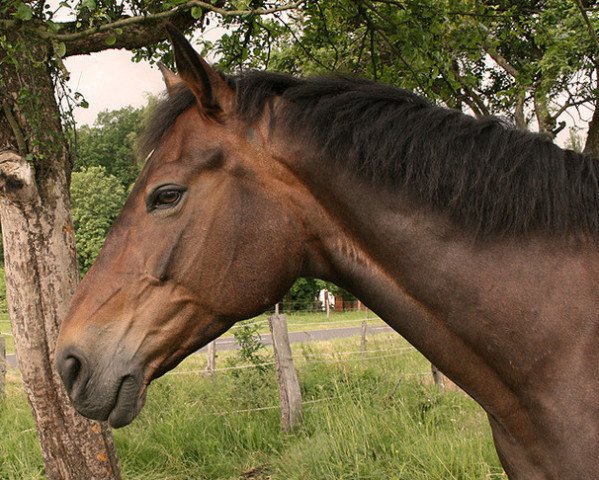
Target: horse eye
point(166, 196)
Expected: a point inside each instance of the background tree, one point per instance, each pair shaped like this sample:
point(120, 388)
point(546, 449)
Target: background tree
point(97, 199)
point(35, 164)
point(110, 143)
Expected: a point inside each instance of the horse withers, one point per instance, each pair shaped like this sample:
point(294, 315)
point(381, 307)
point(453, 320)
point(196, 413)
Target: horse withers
point(475, 241)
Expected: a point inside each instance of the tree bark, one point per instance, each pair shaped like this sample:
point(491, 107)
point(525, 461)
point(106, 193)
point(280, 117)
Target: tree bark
point(544, 119)
point(592, 143)
point(40, 260)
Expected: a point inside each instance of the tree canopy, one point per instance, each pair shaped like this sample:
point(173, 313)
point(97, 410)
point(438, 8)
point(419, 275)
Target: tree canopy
point(534, 61)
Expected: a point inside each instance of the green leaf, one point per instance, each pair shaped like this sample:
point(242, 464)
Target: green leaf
point(110, 40)
point(60, 49)
point(52, 26)
point(89, 4)
point(197, 12)
point(23, 12)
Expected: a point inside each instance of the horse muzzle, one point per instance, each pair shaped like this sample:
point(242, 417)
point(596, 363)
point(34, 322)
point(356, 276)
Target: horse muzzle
point(114, 392)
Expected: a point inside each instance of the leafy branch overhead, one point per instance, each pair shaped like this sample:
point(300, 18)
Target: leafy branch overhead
point(532, 61)
point(129, 24)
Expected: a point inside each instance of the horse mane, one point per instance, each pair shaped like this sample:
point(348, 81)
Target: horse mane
point(488, 176)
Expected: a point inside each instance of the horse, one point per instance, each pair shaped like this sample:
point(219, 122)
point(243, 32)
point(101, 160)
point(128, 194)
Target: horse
point(475, 241)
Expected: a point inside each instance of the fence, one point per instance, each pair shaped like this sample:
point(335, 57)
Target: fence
point(351, 356)
point(291, 404)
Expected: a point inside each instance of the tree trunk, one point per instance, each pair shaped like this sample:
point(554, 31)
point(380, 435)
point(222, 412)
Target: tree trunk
point(592, 144)
point(544, 119)
point(40, 260)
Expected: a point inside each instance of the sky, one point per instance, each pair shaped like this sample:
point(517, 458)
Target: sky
point(109, 80)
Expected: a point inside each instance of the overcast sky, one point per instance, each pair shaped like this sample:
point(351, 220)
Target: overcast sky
point(109, 80)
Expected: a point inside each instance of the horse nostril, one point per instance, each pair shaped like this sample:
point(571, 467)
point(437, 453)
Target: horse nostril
point(69, 369)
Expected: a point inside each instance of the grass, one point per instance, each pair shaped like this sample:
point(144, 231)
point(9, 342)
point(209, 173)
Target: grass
point(372, 416)
point(300, 321)
point(6, 333)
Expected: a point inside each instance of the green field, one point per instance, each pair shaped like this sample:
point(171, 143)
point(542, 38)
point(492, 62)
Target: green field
point(374, 416)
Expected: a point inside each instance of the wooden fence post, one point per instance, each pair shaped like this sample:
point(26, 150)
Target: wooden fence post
point(289, 389)
point(327, 306)
point(363, 337)
point(438, 377)
point(2, 366)
point(211, 358)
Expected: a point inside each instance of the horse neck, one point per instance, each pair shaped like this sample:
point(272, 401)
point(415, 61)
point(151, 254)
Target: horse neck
point(448, 294)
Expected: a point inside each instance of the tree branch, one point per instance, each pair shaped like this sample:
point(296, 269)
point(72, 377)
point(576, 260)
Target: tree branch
point(473, 99)
point(162, 16)
point(589, 25)
point(14, 126)
point(519, 115)
point(501, 61)
point(140, 30)
point(136, 34)
point(16, 174)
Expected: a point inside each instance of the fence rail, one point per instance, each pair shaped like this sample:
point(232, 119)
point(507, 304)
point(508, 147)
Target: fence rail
point(312, 359)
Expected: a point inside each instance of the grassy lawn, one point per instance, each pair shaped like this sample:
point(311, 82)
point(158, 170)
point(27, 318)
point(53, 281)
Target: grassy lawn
point(374, 416)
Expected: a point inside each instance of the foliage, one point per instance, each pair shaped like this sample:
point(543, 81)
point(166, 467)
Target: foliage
point(110, 143)
point(97, 198)
point(303, 294)
point(251, 349)
point(529, 60)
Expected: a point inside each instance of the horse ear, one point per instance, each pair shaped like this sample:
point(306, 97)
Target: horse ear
point(171, 80)
point(210, 89)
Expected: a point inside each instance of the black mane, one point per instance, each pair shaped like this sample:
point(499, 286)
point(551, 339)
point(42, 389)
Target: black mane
point(488, 176)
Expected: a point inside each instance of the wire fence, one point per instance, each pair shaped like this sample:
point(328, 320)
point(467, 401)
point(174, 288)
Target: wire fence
point(314, 358)
point(260, 323)
point(305, 358)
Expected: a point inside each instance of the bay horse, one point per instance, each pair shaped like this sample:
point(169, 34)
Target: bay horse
point(475, 241)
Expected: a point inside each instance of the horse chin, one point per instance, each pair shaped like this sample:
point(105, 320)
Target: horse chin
point(129, 402)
